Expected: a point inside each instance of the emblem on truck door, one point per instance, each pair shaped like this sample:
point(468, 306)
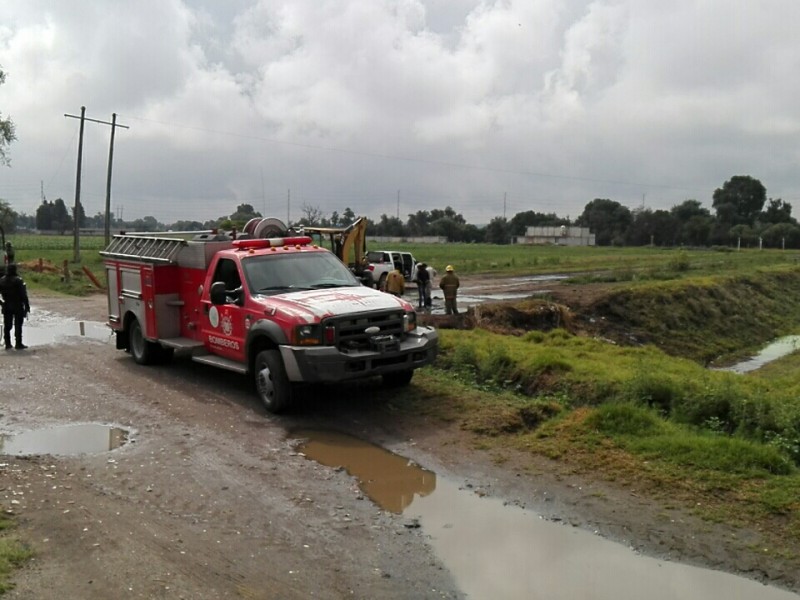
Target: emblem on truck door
point(227, 324)
point(213, 317)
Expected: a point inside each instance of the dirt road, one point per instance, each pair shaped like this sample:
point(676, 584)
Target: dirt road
point(210, 498)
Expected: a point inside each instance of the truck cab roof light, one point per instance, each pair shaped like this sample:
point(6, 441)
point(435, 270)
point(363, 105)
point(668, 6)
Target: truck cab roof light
point(256, 243)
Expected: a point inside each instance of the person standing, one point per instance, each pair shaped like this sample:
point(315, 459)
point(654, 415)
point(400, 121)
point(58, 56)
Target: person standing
point(395, 283)
point(8, 254)
point(423, 285)
point(16, 306)
point(449, 285)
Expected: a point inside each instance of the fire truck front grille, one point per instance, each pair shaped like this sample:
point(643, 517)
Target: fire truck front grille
point(351, 331)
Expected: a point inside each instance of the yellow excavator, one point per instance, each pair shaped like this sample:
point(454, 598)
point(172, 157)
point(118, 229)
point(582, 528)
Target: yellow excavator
point(348, 243)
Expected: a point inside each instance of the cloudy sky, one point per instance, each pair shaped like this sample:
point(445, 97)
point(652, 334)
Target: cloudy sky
point(491, 107)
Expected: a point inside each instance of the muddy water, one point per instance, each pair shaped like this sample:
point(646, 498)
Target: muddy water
point(390, 480)
point(65, 440)
point(494, 550)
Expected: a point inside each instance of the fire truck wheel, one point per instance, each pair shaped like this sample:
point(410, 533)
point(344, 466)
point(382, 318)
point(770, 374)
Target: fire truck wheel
point(398, 378)
point(143, 352)
point(272, 385)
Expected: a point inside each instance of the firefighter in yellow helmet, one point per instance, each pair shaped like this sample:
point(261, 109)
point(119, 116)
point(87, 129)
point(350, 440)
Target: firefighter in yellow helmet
point(395, 283)
point(449, 284)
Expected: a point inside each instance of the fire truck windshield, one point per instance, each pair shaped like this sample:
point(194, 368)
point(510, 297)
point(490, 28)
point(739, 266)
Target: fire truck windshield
point(281, 273)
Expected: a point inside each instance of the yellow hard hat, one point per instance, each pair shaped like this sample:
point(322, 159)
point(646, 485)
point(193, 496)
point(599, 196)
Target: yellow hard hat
point(449, 268)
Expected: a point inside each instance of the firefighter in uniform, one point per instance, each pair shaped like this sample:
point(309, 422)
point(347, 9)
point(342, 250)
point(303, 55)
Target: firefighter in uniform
point(395, 283)
point(449, 285)
point(15, 306)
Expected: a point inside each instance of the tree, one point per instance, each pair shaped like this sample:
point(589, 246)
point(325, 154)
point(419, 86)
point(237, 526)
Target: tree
point(498, 231)
point(696, 231)
point(7, 130)
point(777, 211)
point(147, 223)
point(447, 227)
point(348, 217)
point(8, 217)
point(648, 226)
point(782, 235)
point(521, 221)
point(187, 226)
point(44, 216)
point(243, 213)
point(60, 219)
point(312, 215)
point(688, 209)
point(607, 219)
point(417, 223)
point(388, 226)
point(740, 200)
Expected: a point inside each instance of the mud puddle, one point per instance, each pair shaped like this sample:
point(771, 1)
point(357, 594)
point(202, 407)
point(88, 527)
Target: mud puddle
point(775, 350)
point(45, 328)
point(496, 550)
point(65, 440)
point(390, 480)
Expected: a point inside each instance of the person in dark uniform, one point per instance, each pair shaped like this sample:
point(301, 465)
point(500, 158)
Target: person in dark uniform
point(16, 306)
point(423, 286)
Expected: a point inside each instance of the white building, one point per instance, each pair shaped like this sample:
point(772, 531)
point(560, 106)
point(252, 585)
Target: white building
point(563, 235)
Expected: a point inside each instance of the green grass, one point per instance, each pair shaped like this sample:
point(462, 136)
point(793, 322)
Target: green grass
point(13, 554)
point(585, 263)
point(604, 263)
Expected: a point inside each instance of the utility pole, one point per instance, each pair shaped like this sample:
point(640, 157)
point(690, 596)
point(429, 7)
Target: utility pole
point(504, 206)
point(288, 207)
point(76, 230)
point(398, 205)
point(107, 229)
point(76, 210)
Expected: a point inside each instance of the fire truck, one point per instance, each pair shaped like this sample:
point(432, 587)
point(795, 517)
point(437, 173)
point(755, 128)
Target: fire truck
point(264, 303)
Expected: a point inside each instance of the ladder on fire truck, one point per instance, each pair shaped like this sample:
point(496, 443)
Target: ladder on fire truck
point(144, 248)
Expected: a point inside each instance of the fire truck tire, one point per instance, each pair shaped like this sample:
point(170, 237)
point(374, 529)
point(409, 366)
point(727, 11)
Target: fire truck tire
point(398, 378)
point(272, 384)
point(143, 352)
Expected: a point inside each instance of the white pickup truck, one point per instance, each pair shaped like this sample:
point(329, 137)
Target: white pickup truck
point(381, 262)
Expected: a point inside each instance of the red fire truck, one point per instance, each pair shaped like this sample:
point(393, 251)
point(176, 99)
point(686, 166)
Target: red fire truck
point(280, 309)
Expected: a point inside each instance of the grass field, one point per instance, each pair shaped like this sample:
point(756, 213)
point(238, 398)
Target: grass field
point(606, 263)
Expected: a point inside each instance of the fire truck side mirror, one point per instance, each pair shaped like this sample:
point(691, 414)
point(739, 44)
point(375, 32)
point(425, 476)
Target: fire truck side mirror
point(217, 293)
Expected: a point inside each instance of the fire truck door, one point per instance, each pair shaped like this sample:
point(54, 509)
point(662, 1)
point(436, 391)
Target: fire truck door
point(223, 324)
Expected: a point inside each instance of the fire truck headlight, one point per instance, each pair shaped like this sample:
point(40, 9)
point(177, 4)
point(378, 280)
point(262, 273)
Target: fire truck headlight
point(410, 321)
point(307, 335)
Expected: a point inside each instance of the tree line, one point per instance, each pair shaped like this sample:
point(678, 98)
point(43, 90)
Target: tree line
point(742, 215)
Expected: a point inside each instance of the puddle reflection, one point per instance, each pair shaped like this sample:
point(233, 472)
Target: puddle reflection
point(66, 440)
point(494, 550)
point(45, 327)
point(777, 349)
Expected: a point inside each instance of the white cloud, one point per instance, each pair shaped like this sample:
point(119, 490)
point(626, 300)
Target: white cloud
point(344, 103)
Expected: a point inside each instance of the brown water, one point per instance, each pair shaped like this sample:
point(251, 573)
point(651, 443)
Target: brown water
point(390, 480)
point(495, 550)
point(65, 440)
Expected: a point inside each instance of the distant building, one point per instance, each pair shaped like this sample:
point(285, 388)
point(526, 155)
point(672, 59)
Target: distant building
point(564, 235)
point(425, 239)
